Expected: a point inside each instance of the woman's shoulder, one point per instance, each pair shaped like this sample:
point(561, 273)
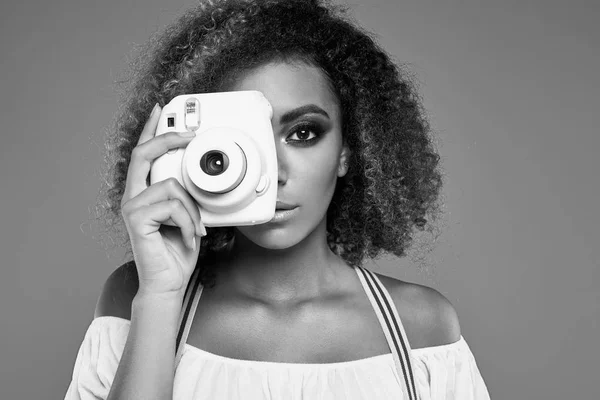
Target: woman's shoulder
point(118, 292)
point(428, 317)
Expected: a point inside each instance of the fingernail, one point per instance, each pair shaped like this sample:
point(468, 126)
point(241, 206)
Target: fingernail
point(194, 243)
point(202, 230)
point(154, 109)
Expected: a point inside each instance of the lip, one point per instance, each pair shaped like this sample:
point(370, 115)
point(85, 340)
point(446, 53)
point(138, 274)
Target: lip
point(280, 205)
point(283, 215)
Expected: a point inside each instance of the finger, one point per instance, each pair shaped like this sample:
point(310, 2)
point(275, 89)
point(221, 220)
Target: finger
point(149, 219)
point(150, 127)
point(167, 190)
point(142, 157)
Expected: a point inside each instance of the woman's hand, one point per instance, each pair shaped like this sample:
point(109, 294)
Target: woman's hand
point(165, 256)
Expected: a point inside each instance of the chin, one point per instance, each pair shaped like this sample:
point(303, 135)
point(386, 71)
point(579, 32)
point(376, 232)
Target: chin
point(267, 237)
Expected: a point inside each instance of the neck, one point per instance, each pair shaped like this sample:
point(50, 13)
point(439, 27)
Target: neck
point(281, 277)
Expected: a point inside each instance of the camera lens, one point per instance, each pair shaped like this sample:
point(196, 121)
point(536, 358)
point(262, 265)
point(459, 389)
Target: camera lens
point(214, 162)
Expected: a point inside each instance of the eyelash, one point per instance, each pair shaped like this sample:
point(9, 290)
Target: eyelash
point(306, 127)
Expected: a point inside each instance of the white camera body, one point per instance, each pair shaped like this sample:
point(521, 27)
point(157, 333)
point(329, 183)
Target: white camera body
point(230, 167)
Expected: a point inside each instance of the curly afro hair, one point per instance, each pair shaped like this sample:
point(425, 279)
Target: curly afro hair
point(393, 180)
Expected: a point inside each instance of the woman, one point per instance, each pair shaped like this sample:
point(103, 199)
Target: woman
point(281, 310)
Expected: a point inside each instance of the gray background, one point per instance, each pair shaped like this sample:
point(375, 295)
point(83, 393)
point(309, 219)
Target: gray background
point(512, 90)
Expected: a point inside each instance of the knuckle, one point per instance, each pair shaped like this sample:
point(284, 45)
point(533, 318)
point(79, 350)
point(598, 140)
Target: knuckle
point(134, 215)
point(133, 220)
point(138, 155)
point(175, 204)
point(172, 183)
point(136, 152)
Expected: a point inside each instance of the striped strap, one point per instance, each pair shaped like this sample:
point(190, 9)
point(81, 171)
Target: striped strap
point(393, 329)
point(190, 303)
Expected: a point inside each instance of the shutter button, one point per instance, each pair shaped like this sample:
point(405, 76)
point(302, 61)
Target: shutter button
point(263, 183)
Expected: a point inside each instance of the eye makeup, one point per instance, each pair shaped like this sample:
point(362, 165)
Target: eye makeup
point(305, 128)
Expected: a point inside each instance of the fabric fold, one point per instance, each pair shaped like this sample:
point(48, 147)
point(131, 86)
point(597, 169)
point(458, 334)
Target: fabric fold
point(447, 372)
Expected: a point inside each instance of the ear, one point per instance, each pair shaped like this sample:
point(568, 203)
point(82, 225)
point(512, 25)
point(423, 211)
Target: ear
point(344, 163)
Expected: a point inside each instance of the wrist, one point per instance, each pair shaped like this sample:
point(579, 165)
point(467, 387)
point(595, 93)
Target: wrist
point(169, 299)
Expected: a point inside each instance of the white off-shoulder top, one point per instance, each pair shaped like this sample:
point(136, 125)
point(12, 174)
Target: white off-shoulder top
point(447, 372)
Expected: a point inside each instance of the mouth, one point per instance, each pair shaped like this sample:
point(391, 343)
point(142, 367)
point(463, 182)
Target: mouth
point(281, 206)
point(284, 214)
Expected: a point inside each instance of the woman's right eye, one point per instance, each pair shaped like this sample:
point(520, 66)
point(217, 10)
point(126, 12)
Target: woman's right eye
point(305, 130)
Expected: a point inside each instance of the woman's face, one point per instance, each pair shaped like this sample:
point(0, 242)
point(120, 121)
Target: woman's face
point(310, 153)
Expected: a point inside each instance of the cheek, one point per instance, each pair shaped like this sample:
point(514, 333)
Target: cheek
point(315, 170)
point(318, 176)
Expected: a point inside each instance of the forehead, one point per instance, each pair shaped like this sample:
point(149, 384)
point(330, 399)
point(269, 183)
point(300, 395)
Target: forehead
point(288, 86)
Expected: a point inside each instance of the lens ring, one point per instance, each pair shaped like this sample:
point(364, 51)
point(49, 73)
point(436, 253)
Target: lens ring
point(214, 162)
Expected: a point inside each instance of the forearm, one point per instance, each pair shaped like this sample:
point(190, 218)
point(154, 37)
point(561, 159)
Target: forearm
point(147, 366)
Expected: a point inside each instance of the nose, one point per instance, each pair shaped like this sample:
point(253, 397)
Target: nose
point(282, 167)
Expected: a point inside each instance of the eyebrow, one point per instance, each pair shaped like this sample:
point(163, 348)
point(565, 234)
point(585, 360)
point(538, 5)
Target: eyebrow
point(297, 112)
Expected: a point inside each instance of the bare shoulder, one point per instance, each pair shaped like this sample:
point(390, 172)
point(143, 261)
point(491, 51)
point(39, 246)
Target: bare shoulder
point(118, 292)
point(428, 317)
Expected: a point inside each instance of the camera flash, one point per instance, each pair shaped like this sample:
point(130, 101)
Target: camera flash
point(192, 114)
